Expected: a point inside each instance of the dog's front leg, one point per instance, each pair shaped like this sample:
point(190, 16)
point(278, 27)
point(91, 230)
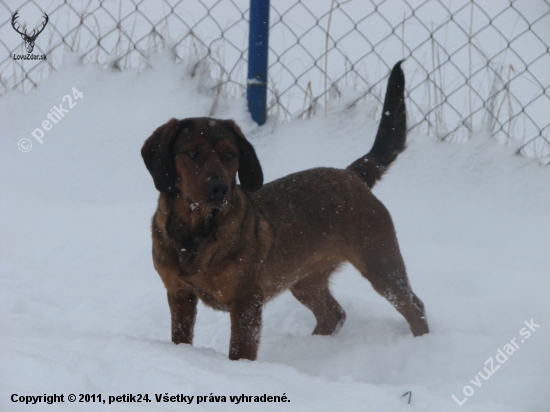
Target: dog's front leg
point(183, 310)
point(246, 324)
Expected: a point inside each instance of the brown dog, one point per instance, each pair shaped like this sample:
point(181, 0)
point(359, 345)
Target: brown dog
point(235, 247)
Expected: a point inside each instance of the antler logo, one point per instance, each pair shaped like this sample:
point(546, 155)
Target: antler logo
point(29, 39)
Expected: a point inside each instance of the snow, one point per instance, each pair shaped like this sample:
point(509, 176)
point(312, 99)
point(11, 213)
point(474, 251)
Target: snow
point(84, 312)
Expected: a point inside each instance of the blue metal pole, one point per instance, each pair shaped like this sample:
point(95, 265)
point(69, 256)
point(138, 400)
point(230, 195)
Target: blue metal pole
point(257, 60)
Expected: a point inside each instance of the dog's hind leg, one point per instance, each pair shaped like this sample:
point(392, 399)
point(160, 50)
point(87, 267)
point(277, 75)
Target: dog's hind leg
point(377, 256)
point(385, 270)
point(313, 292)
point(396, 289)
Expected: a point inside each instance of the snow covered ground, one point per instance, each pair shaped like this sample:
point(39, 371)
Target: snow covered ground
point(84, 312)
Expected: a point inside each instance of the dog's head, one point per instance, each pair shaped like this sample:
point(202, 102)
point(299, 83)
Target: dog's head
point(198, 159)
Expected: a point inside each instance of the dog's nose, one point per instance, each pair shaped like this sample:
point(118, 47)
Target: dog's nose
point(217, 190)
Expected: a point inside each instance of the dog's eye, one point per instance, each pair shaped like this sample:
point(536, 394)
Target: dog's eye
point(192, 154)
point(229, 155)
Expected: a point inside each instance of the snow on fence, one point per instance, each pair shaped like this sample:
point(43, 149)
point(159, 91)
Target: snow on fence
point(469, 65)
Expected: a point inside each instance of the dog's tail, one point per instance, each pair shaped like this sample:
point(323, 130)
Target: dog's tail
point(390, 139)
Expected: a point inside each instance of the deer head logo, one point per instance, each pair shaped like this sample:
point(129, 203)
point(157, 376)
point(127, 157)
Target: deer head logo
point(29, 38)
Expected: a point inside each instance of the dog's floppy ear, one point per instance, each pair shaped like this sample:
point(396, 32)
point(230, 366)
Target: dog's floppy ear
point(157, 155)
point(250, 171)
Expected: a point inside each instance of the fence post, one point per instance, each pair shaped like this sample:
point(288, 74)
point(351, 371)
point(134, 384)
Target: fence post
point(257, 60)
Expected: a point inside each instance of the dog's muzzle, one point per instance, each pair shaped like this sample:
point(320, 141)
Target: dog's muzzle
point(217, 190)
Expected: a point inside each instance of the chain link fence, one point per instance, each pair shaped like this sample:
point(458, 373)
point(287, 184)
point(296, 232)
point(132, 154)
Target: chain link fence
point(469, 65)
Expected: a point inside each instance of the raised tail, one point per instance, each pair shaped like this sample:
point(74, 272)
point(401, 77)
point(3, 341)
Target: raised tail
point(392, 132)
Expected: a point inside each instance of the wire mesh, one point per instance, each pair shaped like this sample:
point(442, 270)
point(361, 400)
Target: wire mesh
point(469, 65)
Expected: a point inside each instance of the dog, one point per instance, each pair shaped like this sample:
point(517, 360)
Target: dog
point(235, 247)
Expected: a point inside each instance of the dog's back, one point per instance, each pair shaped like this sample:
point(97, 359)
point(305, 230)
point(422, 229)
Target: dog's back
point(320, 217)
